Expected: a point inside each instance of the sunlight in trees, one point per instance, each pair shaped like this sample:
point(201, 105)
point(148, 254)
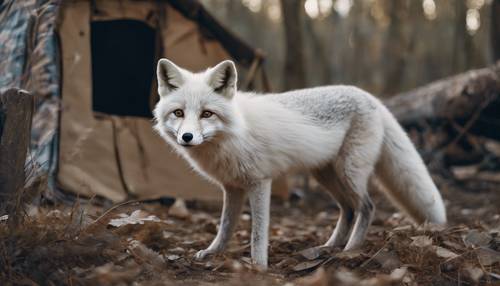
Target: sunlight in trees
point(473, 21)
point(312, 9)
point(318, 8)
point(429, 7)
point(321, 9)
point(253, 5)
point(473, 18)
point(272, 8)
point(343, 7)
point(274, 11)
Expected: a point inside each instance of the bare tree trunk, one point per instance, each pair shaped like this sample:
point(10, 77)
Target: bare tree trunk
point(400, 43)
point(464, 49)
point(320, 58)
point(294, 73)
point(354, 52)
point(495, 29)
point(395, 48)
point(16, 109)
point(294, 61)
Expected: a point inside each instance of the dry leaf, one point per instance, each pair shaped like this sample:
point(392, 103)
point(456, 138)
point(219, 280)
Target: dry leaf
point(306, 265)
point(387, 259)
point(384, 279)
point(286, 263)
point(421, 241)
point(177, 250)
point(318, 278)
point(229, 265)
point(492, 146)
point(464, 172)
point(476, 238)
point(314, 252)
point(452, 244)
point(346, 277)
point(473, 273)
point(54, 213)
point(444, 253)
point(167, 234)
point(245, 217)
point(136, 217)
point(488, 256)
point(349, 254)
point(173, 257)
point(402, 228)
point(146, 254)
point(398, 273)
point(179, 209)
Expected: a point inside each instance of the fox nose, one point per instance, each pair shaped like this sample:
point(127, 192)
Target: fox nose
point(187, 137)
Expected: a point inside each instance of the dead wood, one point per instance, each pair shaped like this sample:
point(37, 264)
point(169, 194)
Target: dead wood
point(470, 98)
point(16, 108)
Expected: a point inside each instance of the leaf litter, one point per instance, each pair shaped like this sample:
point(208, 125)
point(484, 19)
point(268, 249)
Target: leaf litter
point(152, 244)
point(136, 217)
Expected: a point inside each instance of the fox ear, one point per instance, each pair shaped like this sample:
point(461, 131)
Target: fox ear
point(223, 78)
point(169, 77)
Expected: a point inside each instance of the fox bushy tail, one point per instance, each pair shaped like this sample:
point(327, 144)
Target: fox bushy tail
point(405, 177)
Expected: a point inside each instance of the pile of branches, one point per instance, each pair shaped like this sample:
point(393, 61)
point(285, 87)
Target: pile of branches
point(455, 122)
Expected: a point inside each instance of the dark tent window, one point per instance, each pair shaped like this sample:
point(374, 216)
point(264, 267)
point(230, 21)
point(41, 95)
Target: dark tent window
point(123, 65)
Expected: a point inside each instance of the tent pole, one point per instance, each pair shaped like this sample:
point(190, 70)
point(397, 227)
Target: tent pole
point(252, 72)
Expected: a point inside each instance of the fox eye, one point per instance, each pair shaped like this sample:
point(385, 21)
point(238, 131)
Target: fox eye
point(206, 114)
point(178, 113)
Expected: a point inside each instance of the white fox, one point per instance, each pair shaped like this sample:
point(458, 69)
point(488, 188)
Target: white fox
point(242, 140)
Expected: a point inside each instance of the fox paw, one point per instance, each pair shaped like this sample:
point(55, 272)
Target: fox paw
point(202, 254)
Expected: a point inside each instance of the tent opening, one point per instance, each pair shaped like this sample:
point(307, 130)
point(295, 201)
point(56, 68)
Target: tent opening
point(123, 65)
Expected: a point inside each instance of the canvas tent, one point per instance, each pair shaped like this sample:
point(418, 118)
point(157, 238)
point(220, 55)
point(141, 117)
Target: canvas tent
point(91, 67)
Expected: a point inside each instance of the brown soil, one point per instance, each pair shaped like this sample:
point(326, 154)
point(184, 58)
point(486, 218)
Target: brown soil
point(62, 245)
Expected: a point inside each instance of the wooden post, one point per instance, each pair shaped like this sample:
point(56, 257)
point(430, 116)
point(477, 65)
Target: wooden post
point(495, 29)
point(16, 109)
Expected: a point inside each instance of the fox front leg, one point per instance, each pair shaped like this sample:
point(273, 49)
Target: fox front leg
point(231, 210)
point(260, 200)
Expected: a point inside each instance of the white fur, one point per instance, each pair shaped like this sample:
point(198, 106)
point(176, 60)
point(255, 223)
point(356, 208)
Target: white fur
point(342, 134)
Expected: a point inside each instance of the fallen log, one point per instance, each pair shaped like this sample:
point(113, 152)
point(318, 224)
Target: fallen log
point(471, 99)
point(16, 108)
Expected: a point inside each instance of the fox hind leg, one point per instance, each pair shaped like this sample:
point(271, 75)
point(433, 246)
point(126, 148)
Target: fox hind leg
point(364, 218)
point(328, 179)
point(354, 166)
point(354, 182)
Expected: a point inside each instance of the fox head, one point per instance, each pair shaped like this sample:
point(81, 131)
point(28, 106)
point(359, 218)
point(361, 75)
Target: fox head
point(194, 108)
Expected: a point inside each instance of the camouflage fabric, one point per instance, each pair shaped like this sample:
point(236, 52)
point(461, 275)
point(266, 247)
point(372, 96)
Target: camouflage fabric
point(29, 60)
point(14, 17)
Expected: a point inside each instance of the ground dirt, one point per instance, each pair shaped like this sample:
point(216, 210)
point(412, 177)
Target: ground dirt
point(153, 244)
